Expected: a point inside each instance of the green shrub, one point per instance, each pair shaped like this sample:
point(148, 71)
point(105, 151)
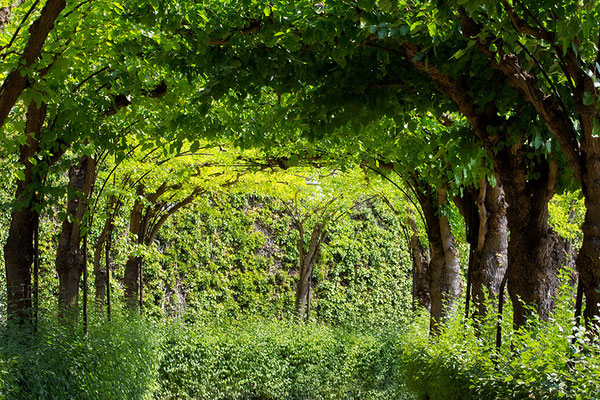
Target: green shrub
point(539, 361)
point(276, 360)
point(116, 360)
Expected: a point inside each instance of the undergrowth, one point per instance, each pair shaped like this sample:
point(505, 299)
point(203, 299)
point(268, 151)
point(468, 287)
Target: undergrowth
point(543, 360)
point(259, 358)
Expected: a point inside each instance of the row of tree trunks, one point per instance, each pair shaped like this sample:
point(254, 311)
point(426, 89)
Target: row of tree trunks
point(70, 257)
point(533, 251)
point(580, 145)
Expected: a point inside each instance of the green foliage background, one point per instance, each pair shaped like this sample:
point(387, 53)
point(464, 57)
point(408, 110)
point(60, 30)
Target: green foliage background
point(236, 254)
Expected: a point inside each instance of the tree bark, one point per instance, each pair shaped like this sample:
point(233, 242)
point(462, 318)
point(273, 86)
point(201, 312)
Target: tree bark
point(487, 235)
point(306, 265)
point(99, 272)
point(534, 250)
point(490, 258)
point(132, 265)
point(444, 271)
point(18, 250)
point(69, 255)
point(588, 259)
point(420, 258)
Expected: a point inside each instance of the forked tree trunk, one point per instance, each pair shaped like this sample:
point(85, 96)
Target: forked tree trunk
point(444, 271)
point(308, 259)
point(487, 234)
point(145, 224)
point(69, 255)
point(18, 250)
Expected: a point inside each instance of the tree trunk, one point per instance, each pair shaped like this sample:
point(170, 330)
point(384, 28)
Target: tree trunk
point(18, 256)
point(18, 250)
point(69, 254)
point(306, 265)
point(99, 272)
point(490, 258)
point(487, 234)
point(444, 271)
point(103, 248)
point(420, 259)
point(588, 259)
point(534, 250)
point(132, 266)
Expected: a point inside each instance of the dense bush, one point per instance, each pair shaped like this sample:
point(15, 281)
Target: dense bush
point(278, 360)
point(544, 360)
point(256, 359)
point(116, 360)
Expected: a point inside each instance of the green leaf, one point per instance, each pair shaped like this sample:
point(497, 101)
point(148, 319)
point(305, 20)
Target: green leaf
point(459, 54)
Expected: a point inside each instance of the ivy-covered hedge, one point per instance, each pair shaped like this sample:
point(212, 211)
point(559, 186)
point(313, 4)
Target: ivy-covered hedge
point(236, 254)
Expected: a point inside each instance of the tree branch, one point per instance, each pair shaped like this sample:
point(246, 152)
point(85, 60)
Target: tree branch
point(547, 106)
point(15, 82)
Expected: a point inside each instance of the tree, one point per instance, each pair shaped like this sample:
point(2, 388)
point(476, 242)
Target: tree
point(70, 255)
point(320, 215)
point(550, 58)
point(313, 65)
point(484, 211)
